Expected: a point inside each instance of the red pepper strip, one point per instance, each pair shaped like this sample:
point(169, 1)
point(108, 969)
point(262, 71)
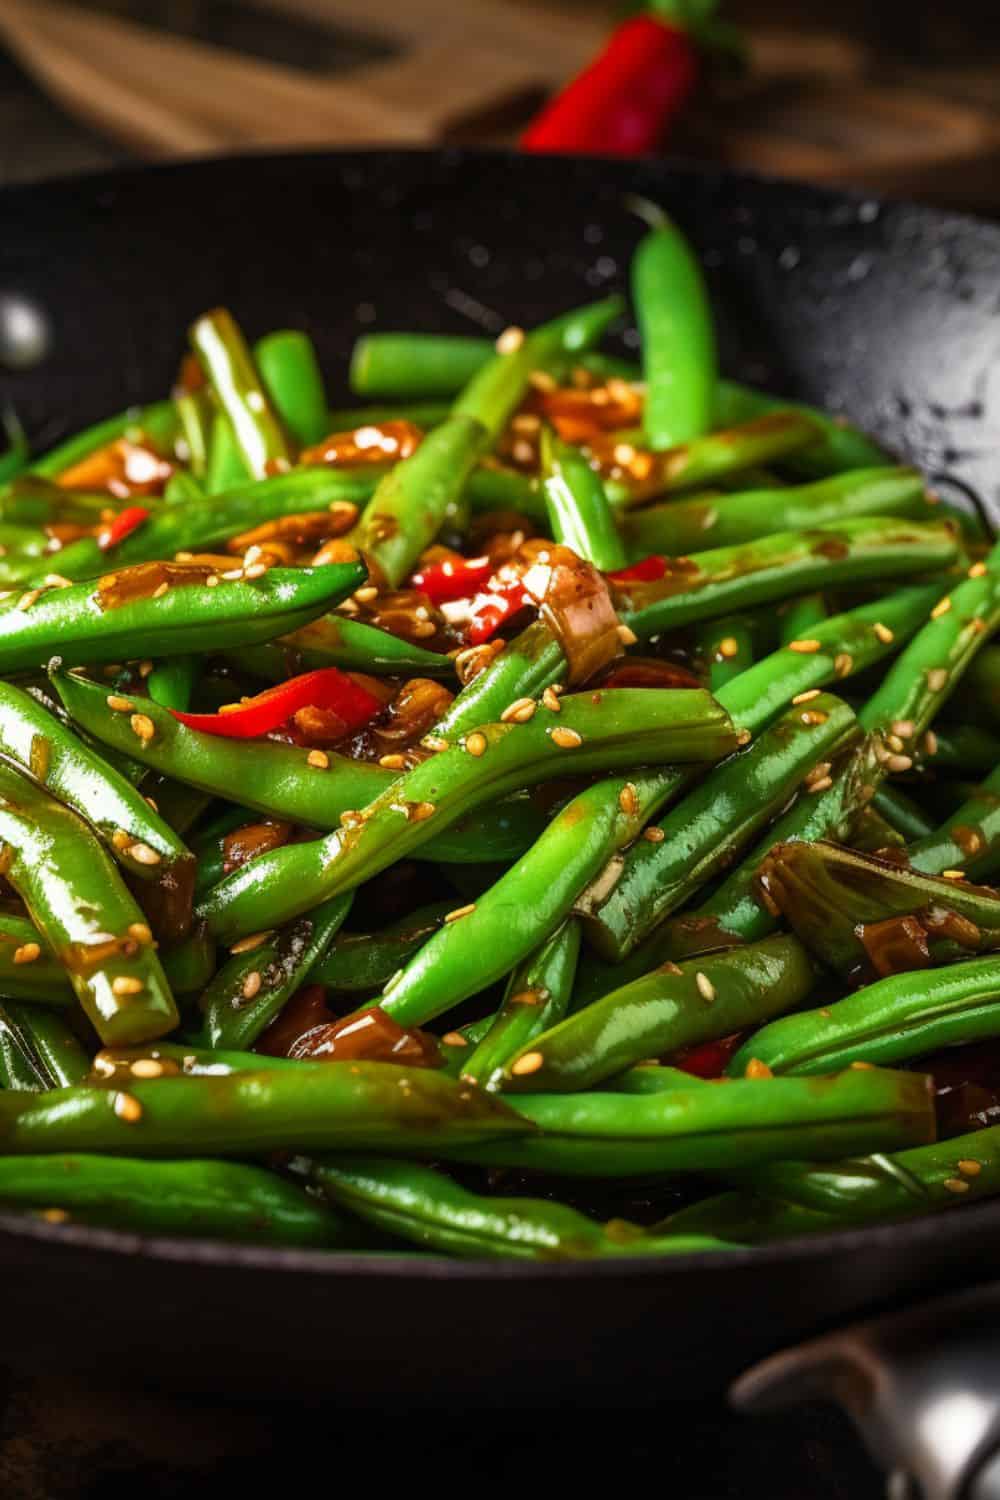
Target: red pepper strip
point(648, 570)
point(121, 526)
point(621, 104)
point(493, 609)
point(458, 578)
point(706, 1059)
point(327, 688)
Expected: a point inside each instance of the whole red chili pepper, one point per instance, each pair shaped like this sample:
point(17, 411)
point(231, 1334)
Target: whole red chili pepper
point(647, 570)
point(621, 104)
point(327, 688)
point(121, 526)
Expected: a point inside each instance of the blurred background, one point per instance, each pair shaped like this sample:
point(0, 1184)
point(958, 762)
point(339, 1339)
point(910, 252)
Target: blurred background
point(898, 95)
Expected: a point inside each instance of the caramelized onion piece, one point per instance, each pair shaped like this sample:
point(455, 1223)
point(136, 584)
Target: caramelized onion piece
point(370, 1035)
point(573, 599)
point(143, 580)
point(244, 844)
point(895, 945)
point(375, 443)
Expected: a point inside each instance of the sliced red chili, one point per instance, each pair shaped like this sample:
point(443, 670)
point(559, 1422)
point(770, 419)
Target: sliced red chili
point(647, 570)
point(121, 526)
point(328, 688)
point(458, 578)
point(492, 609)
point(706, 1059)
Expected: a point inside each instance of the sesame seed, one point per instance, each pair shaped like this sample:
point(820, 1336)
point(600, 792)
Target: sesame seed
point(319, 759)
point(523, 451)
point(952, 874)
point(147, 1067)
point(350, 818)
point(744, 737)
point(566, 739)
point(931, 742)
point(145, 667)
point(126, 984)
point(528, 997)
point(28, 599)
point(977, 570)
point(757, 1069)
point(705, 987)
point(941, 608)
point(435, 742)
point(419, 812)
point(143, 726)
point(518, 712)
point(826, 1012)
point(394, 762)
point(150, 802)
point(894, 742)
point(119, 705)
point(510, 340)
point(255, 570)
point(529, 1063)
point(804, 648)
point(140, 932)
point(863, 1067)
point(821, 784)
point(251, 984)
point(454, 1039)
point(367, 594)
point(653, 835)
point(476, 743)
point(144, 855)
point(233, 575)
point(120, 840)
point(955, 1185)
point(127, 1108)
point(52, 580)
point(626, 636)
point(843, 663)
point(729, 646)
point(161, 589)
point(806, 697)
point(54, 1215)
point(541, 380)
point(247, 944)
point(896, 763)
point(212, 581)
point(904, 728)
point(628, 800)
point(624, 454)
point(937, 679)
point(884, 634)
point(459, 912)
point(813, 716)
point(27, 953)
point(550, 700)
point(422, 629)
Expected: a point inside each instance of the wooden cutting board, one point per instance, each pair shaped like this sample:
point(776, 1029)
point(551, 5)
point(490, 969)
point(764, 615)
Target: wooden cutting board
point(812, 104)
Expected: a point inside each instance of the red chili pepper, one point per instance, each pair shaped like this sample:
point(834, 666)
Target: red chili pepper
point(327, 688)
point(121, 526)
point(707, 1059)
point(648, 570)
point(492, 609)
point(456, 578)
point(621, 104)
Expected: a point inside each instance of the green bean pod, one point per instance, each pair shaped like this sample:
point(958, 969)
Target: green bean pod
point(677, 336)
point(714, 458)
point(250, 989)
point(800, 616)
point(78, 902)
point(705, 831)
point(535, 1000)
point(969, 840)
point(687, 525)
point(25, 974)
point(726, 646)
point(38, 1049)
point(212, 1199)
point(362, 962)
point(674, 1006)
point(898, 1018)
point(171, 683)
point(841, 446)
point(336, 641)
point(361, 1106)
point(291, 374)
point(978, 696)
point(390, 365)
point(866, 917)
point(734, 1124)
point(578, 510)
point(901, 812)
point(230, 367)
point(80, 626)
point(622, 728)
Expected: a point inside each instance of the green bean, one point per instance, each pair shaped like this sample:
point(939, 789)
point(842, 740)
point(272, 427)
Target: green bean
point(672, 1007)
point(492, 487)
point(194, 413)
point(734, 1124)
point(535, 999)
point(361, 1106)
point(978, 697)
point(226, 467)
point(849, 910)
point(969, 840)
point(278, 780)
point(415, 364)
point(964, 748)
point(41, 979)
point(362, 962)
point(230, 367)
point(898, 1018)
point(624, 727)
point(726, 646)
point(336, 641)
point(77, 900)
point(171, 683)
point(578, 510)
point(157, 424)
point(189, 964)
point(676, 334)
point(421, 413)
point(901, 812)
point(38, 1049)
point(679, 526)
point(706, 829)
point(219, 1200)
point(137, 837)
point(180, 489)
point(712, 459)
point(250, 989)
point(292, 377)
point(801, 616)
point(841, 446)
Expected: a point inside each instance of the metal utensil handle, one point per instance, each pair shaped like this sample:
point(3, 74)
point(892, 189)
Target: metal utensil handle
point(922, 1386)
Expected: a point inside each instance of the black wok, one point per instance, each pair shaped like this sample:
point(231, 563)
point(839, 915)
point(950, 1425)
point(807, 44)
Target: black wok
point(889, 313)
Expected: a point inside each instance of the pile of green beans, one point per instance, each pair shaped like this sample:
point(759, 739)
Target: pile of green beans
point(549, 765)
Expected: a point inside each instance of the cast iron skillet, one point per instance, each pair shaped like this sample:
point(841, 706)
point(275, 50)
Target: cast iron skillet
point(889, 313)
